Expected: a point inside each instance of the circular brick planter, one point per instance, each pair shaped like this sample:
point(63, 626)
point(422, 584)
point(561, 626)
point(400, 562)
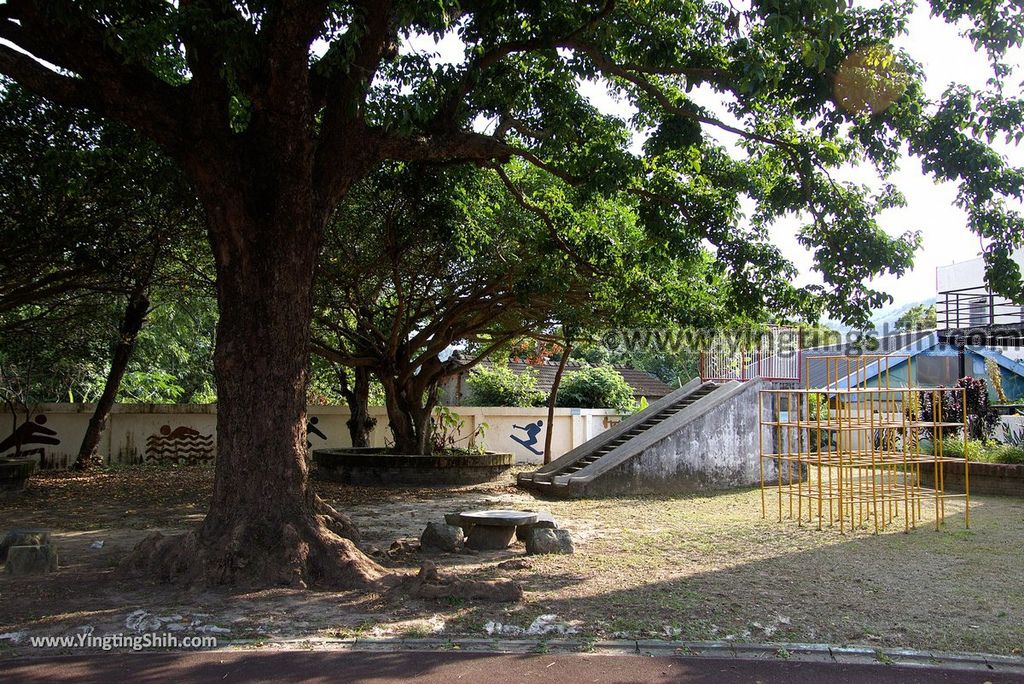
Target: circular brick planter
point(985, 478)
point(377, 466)
point(14, 474)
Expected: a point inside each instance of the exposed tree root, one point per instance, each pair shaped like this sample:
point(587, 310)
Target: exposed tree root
point(304, 554)
point(309, 553)
point(338, 523)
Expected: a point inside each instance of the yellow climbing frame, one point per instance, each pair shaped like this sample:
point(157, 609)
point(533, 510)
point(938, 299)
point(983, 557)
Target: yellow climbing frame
point(851, 454)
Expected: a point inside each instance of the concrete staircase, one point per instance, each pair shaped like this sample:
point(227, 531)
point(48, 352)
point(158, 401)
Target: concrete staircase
point(597, 466)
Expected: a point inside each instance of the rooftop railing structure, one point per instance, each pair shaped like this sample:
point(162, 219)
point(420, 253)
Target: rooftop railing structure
point(976, 307)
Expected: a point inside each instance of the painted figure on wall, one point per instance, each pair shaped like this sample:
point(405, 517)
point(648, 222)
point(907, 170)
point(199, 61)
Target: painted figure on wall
point(532, 431)
point(312, 429)
point(30, 433)
point(182, 445)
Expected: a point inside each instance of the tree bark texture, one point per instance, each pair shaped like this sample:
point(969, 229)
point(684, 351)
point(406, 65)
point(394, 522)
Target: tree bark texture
point(409, 408)
point(357, 396)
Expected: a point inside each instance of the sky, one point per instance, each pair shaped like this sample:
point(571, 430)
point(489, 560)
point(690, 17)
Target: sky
point(946, 57)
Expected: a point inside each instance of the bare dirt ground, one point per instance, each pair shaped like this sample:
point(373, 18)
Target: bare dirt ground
point(688, 568)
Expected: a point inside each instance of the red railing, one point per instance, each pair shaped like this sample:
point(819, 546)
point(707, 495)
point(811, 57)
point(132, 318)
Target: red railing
point(777, 358)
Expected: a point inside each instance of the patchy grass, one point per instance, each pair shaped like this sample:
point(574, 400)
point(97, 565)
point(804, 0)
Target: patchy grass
point(686, 568)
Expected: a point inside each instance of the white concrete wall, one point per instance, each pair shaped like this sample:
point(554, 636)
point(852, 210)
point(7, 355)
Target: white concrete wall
point(149, 432)
point(715, 448)
point(967, 274)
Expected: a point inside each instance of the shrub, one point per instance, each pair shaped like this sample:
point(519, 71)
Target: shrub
point(983, 452)
point(981, 417)
point(596, 387)
point(445, 426)
point(953, 447)
point(1008, 453)
point(499, 386)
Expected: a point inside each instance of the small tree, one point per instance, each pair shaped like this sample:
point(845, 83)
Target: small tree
point(434, 260)
point(596, 387)
point(90, 207)
point(499, 385)
point(918, 317)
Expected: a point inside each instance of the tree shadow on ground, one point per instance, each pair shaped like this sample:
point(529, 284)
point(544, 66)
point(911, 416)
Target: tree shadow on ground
point(951, 589)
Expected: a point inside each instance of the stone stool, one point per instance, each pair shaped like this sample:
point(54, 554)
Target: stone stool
point(492, 530)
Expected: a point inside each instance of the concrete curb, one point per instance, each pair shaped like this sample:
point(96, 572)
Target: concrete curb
point(796, 652)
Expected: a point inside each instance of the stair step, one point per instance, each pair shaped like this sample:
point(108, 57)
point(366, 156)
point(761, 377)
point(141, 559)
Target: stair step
point(608, 447)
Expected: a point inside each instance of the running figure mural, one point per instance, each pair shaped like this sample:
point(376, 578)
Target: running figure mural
point(312, 429)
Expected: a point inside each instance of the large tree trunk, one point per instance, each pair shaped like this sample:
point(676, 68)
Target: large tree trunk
point(421, 416)
point(409, 409)
point(265, 525)
point(134, 317)
point(357, 396)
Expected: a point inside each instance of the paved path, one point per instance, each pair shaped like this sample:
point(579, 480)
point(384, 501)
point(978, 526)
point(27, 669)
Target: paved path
point(447, 667)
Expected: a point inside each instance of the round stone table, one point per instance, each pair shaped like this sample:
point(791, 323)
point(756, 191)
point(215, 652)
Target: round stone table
point(492, 530)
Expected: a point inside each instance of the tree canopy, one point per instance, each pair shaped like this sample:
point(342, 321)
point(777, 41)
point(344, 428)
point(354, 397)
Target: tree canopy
point(419, 261)
point(802, 87)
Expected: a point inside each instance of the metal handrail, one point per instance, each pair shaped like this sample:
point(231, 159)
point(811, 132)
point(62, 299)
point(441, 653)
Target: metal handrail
point(976, 307)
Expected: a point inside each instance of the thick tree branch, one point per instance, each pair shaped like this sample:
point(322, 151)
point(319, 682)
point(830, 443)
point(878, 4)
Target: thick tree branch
point(43, 81)
point(293, 24)
point(324, 351)
point(204, 52)
point(339, 90)
point(121, 89)
point(454, 146)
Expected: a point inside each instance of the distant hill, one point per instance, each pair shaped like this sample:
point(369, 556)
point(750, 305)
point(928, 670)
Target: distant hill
point(884, 319)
